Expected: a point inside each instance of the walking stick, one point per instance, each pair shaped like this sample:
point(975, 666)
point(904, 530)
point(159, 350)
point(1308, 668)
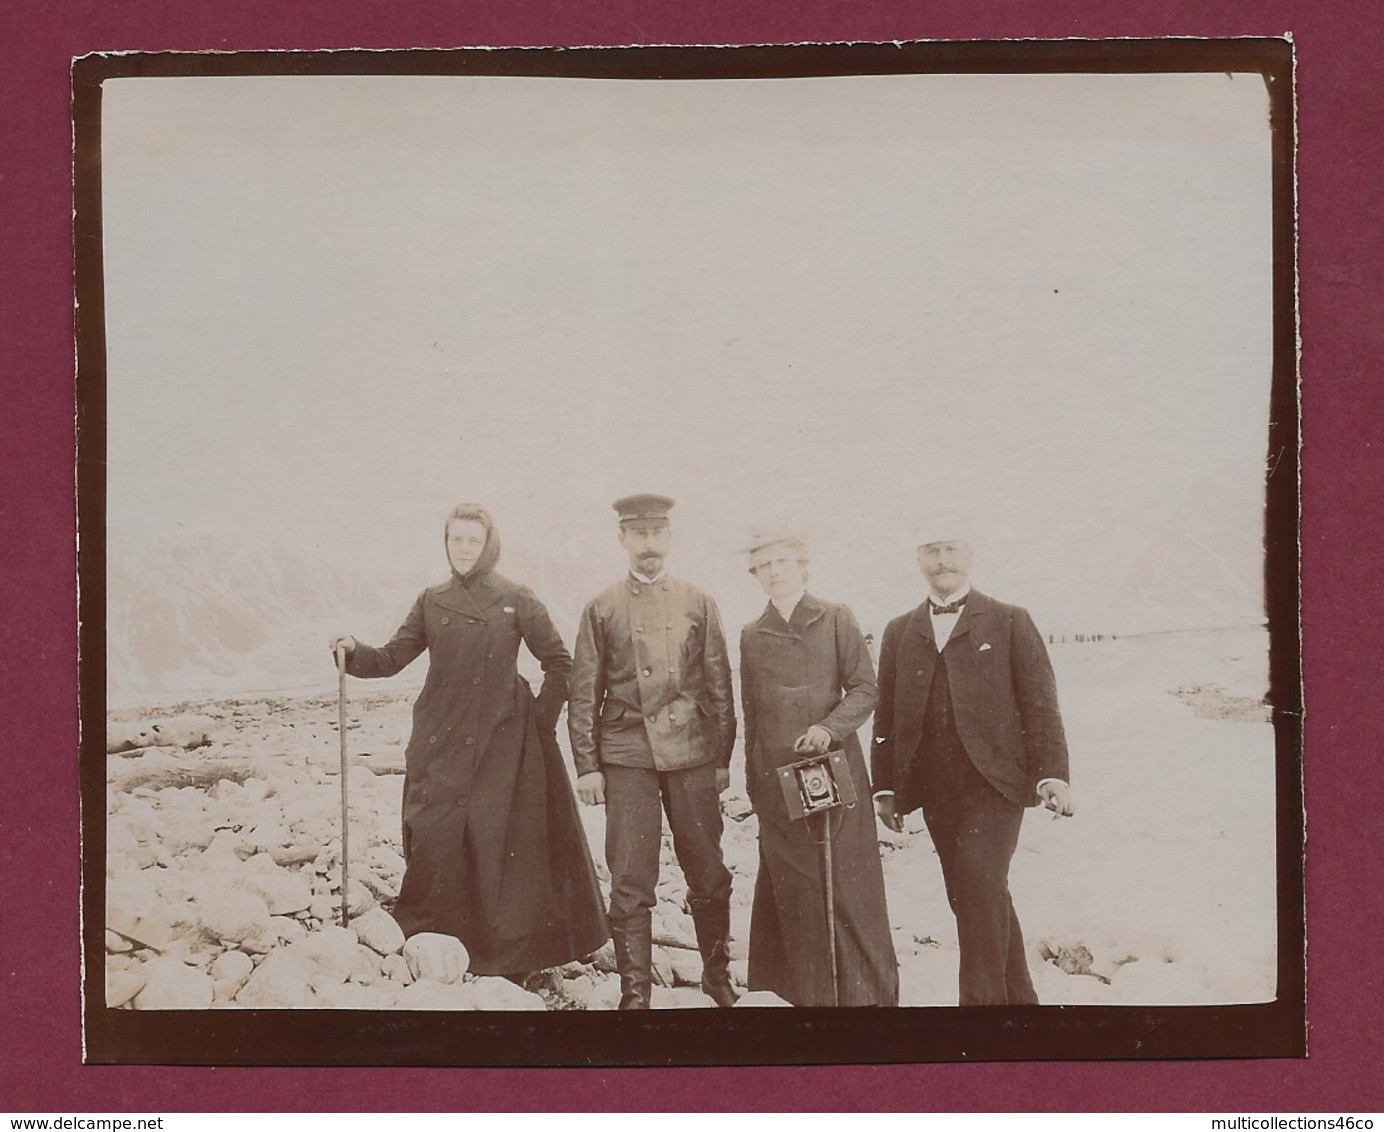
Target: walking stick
point(831, 903)
point(341, 727)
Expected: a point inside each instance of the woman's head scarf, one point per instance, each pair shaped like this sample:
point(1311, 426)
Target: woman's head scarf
point(475, 513)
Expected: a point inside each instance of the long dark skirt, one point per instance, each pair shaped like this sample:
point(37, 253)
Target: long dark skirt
point(505, 869)
point(788, 925)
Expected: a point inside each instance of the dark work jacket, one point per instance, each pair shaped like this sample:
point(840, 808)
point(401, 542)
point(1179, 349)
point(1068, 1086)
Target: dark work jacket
point(495, 849)
point(1004, 700)
point(813, 669)
point(651, 679)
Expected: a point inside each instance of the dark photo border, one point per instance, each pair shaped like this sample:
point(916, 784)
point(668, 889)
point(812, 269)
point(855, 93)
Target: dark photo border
point(702, 1038)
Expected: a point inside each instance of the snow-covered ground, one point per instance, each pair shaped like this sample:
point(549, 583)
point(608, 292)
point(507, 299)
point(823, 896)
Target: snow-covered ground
point(1160, 890)
point(1170, 857)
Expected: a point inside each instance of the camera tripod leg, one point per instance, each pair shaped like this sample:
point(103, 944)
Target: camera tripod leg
point(828, 882)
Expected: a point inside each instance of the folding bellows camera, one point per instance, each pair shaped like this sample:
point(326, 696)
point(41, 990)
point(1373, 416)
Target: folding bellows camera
point(813, 785)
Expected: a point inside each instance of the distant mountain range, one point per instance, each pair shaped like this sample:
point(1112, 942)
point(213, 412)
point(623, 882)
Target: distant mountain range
point(188, 615)
point(202, 614)
point(1204, 566)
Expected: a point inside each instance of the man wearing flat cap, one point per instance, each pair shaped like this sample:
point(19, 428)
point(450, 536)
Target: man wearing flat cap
point(652, 724)
point(967, 729)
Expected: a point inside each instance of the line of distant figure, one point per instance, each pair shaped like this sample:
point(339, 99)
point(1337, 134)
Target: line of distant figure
point(967, 729)
point(1053, 639)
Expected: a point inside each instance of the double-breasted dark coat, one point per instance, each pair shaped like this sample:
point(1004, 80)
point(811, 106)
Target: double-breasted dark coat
point(494, 848)
point(813, 669)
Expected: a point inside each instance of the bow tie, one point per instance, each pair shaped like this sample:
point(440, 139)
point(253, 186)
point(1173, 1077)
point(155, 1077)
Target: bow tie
point(953, 607)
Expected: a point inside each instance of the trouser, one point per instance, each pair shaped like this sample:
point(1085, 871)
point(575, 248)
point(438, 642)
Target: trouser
point(975, 830)
point(636, 800)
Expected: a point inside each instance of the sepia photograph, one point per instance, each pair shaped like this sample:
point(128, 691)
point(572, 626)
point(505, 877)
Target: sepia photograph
point(690, 531)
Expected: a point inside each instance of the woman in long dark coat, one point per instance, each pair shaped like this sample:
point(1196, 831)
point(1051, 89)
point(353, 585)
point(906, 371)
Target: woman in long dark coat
point(494, 848)
point(807, 684)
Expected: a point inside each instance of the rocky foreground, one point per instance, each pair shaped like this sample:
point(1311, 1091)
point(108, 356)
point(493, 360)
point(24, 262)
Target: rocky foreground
point(224, 873)
point(224, 862)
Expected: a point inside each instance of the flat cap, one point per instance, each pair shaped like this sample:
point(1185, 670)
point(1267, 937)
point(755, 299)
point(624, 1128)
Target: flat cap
point(634, 508)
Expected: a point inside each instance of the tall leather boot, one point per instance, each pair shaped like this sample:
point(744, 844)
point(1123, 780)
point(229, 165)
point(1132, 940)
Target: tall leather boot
point(634, 960)
point(712, 922)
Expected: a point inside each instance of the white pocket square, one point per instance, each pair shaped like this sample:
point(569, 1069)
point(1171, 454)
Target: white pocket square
point(982, 648)
point(510, 609)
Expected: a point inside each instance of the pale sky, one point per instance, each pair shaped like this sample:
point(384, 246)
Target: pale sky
point(338, 305)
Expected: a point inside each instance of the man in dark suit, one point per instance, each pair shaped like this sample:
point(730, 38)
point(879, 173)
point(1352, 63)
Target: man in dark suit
point(967, 728)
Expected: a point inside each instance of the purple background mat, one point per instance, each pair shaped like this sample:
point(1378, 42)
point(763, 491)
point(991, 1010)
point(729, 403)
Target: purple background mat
point(1341, 103)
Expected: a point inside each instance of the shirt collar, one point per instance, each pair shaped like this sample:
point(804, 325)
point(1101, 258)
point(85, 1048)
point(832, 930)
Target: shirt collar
point(638, 577)
point(961, 593)
point(785, 609)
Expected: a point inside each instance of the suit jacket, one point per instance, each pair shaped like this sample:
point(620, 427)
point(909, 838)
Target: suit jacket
point(651, 681)
point(1004, 698)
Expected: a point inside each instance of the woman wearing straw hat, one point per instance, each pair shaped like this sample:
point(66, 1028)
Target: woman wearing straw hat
point(807, 685)
point(494, 848)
